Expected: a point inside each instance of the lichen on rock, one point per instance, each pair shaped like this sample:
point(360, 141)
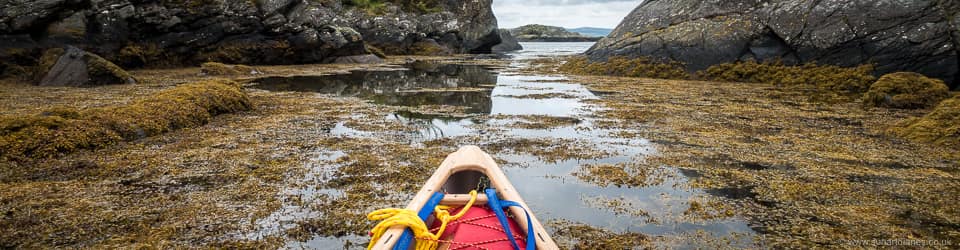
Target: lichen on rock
point(906, 90)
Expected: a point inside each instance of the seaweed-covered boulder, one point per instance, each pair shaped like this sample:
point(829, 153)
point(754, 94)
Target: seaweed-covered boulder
point(220, 69)
point(75, 68)
point(507, 42)
point(941, 126)
point(916, 36)
point(906, 90)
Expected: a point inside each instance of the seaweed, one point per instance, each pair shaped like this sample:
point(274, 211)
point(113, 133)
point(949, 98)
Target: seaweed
point(823, 77)
point(141, 55)
point(220, 69)
point(941, 126)
point(574, 235)
point(374, 50)
point(906, 90)
point(63, 130)
point(623, 66)
point(102, 71)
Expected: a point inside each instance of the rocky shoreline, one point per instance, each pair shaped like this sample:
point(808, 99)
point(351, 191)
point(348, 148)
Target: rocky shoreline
point(916, 36)
point(176, 33)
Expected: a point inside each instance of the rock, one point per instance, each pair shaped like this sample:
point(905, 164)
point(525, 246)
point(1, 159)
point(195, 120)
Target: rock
point(429, 47)
point(906, 90)
point(361, 59)
point(270, 7)
point(253, 32)
point(73, 27)
point(462, 26)
point(894, 35)
point(25, 14)
point(543, 33)
point(75, 67)
point(507, 42)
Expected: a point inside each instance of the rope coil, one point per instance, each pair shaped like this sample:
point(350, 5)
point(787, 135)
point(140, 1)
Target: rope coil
point(425, 240)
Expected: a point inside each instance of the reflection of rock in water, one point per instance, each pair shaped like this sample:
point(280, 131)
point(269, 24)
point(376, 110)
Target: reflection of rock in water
point(476, 101)
point(400, 87)
point(434, 126)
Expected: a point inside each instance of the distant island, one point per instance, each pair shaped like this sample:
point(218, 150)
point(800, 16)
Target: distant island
point(592, 31)
point(544, 33)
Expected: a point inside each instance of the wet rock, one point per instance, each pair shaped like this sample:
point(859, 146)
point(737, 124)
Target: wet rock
point(75, 67)
point(894, 35)
point(361, 59)
point(906, 90)
point(507, 42)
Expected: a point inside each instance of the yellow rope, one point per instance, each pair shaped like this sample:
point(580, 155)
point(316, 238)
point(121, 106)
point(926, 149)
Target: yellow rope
point(408, 218)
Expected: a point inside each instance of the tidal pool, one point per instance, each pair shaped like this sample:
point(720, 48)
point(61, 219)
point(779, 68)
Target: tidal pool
point(497, 109)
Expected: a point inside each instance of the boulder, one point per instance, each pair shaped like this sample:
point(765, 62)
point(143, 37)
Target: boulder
point(360, 59)
point(918, 36)
point(77, 68)
point(906, 90)
point(507, 42)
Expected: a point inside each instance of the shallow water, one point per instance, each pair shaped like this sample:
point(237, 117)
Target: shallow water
point(533, 50)
point(495, 100)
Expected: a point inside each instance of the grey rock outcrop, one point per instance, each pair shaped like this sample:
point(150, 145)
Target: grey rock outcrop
point(170, 33)
point(507, 42)
point(919, 36)
point(74, 67)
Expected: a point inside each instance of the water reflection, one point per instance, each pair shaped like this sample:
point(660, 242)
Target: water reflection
point(422, 83)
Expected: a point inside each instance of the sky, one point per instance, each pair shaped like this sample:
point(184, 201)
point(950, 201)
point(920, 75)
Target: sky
point(563, 13)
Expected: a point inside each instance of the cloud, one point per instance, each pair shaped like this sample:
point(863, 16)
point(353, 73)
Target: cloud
point(564, 13)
